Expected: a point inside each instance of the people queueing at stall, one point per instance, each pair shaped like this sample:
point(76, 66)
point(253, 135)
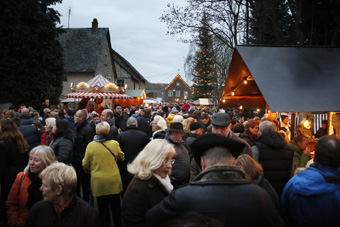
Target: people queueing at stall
point(164, 165)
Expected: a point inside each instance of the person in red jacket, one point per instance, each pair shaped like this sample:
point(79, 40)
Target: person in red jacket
point(47, 136)
point(25, 189)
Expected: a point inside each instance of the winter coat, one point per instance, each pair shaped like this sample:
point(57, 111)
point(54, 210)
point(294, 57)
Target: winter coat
point(248, 137)
point(17, 212)
point(144, 125)
point(11, 163)
point(312, 198)
point(191, 138)
point(78, 214)
point(300, 159)
point(82, 137)
point(276, 158)
point(130, 149)
point(264, 183)
point(140, 196)
point(222, 193)
point(113, 129)
point(180, 173)
point(121, 120)
point(63, 148)
point(105, 176)
point(70, 121)
point(26, 119)
point(31, 135)
point(159, 134)
point(45, 140)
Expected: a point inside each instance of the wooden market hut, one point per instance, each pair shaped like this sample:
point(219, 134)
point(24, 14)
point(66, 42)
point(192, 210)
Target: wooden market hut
point(284, 79)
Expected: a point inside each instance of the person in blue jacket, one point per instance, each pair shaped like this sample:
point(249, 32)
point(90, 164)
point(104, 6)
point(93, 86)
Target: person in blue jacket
point(312, 198)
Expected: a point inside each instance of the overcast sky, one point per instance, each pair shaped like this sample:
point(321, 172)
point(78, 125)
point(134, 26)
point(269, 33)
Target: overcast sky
point(136, 33)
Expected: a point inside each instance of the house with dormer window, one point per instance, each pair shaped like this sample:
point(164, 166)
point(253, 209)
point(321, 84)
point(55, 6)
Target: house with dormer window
point(177, 90)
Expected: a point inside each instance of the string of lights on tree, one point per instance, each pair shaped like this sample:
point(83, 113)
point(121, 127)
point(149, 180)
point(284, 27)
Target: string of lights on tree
point(205, 65)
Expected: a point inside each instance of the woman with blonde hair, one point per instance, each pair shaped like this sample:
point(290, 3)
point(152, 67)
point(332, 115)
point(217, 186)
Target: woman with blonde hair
point(254, 172)
point(100, 161)
point(61, 206)
point(13, 156)
point(186, 127)
point(25, 190)
point(151, 182)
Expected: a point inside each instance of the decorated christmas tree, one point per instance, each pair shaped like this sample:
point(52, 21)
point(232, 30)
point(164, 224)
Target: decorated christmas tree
point(204, 75)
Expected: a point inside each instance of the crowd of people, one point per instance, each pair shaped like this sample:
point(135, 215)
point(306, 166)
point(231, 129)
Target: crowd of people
point(163, 165)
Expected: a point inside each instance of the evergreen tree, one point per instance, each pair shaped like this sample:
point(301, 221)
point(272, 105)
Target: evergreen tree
point(204, 75)
point(31, 63)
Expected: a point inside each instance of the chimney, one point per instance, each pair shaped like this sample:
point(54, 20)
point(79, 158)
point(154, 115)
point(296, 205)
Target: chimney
point(94, 26)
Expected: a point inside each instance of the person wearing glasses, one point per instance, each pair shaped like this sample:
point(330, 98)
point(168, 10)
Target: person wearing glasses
point(151, 182)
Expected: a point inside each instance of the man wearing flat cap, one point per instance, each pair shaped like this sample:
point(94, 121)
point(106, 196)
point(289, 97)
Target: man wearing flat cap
point(220, 191)
point(180, 172)
point(221, 124)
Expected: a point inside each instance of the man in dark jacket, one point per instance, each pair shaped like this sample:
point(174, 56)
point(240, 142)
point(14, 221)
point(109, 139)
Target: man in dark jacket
point(275, 156)
point(144, 122)
point(30, 133)
point(220, 191)
point(25, 117)
point(83, 135)
point(221, 124)
point(108, 116)
point(70, 118)
point(196, 130)
point(120, 117)
point(130, 149)
point(312, 198)
point(180, 172)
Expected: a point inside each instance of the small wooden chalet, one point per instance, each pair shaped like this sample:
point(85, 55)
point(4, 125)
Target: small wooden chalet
point(177, 90)
point(88, 52)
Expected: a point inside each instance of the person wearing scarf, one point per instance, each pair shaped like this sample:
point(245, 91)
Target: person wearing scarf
point(25, 191)
point(151, 182)
point(61, 206)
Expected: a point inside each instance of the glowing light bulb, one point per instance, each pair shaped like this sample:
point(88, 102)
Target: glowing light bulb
point(306, 123)
point(241, 107)
point(258, 110)
point(223, 100)
point(245, 82)
point(232, 93)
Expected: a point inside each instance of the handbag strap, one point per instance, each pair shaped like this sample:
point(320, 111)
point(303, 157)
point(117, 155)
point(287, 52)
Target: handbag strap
point(109, 150)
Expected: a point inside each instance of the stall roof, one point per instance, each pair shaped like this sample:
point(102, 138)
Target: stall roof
point(94, 95)
point(294, 79)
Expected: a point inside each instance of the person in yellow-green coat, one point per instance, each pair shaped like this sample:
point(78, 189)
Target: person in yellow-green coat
point(100, 160)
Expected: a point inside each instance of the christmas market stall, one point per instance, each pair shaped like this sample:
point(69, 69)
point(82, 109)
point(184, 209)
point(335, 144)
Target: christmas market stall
point(98, 93)
point(137, 97)
point(301, 81)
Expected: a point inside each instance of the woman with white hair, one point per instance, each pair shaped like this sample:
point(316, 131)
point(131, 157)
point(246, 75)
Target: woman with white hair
point(25, 189)
point(100, 160)
point(159, 126)
point(151, 182)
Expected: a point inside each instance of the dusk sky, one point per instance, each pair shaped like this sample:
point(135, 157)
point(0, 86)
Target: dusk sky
point(136, 33)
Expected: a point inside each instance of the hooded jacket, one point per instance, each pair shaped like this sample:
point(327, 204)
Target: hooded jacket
point(276, 158)
point(312, 198)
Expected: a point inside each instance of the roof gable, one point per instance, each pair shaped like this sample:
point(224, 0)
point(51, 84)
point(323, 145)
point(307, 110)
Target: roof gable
point(179, 78)
point(292, 79)
point(127, 66)
point(82, 49)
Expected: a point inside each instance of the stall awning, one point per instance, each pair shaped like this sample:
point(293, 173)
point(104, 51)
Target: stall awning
point(292, 79)
point(104, 95)
point(99, 81)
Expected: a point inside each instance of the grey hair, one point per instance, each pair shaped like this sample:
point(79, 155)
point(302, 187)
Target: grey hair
point(267, 126)
point(218, 155)
point(131, 122)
